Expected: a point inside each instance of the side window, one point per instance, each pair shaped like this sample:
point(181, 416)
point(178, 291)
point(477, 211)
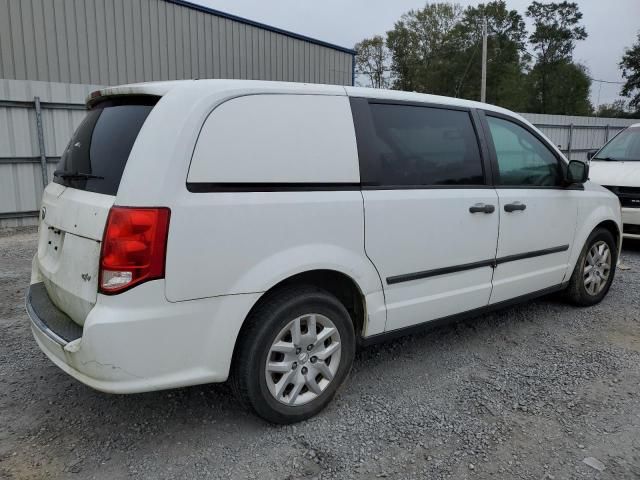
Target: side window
point(522, 158)
point(424, 146)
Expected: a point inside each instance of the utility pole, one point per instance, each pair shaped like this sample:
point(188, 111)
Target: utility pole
point(483, 84)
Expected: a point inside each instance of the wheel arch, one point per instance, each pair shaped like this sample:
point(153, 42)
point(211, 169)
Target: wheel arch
point(594, 213)
point(342, 286)
point(612, 227)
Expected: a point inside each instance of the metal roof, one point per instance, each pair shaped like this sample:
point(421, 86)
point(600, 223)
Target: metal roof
point(262, 25)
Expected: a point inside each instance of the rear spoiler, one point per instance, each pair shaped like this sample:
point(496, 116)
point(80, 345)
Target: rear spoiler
point(113, 100)
point(151, 89)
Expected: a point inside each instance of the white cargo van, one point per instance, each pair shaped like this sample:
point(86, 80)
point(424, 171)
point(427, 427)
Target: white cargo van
point(199, 231)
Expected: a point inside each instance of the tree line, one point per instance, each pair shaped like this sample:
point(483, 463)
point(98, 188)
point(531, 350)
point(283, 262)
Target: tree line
point(437, 50)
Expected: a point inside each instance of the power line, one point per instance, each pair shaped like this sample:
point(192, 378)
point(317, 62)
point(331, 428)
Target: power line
point(605, 81)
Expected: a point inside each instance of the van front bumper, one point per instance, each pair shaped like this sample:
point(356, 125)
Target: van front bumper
point(631, 222)
point(138, 341)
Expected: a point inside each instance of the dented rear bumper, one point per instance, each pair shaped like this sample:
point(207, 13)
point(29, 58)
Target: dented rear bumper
point(60, 339)
point(138, 341)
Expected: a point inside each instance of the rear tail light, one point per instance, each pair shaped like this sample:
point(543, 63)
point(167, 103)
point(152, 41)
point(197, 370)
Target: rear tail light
point(133, 247)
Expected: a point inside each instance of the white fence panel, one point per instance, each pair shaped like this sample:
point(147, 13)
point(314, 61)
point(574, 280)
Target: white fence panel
point(574, 135)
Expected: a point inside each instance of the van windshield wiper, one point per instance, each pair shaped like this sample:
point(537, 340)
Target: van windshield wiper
point(75, 175)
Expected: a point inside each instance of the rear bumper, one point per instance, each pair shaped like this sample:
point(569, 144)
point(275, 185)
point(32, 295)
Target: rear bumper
point(631, 222)
point(48, 318)
point(138, 341)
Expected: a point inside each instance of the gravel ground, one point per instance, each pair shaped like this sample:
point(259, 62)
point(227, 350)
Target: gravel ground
point(529, 392)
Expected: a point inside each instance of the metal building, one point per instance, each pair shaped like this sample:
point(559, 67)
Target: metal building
point(53, 53)
point(110, 42)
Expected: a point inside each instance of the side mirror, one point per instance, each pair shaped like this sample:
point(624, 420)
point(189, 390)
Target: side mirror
point(591, 153)
point(577, 172)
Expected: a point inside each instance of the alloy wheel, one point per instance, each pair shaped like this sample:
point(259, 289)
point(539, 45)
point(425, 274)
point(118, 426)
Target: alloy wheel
point(597, 268)
point(303, 359)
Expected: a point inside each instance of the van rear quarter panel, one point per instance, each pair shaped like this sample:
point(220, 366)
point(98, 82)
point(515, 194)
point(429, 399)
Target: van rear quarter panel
point(231, 243)
point(223, 242)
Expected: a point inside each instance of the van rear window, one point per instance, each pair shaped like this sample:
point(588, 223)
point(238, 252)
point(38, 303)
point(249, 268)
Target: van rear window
point(99, 149)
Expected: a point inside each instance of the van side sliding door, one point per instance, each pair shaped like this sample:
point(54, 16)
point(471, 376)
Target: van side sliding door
point(431, 219)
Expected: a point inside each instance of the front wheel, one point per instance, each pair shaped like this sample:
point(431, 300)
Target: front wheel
point(293, 354)
point(595, 269)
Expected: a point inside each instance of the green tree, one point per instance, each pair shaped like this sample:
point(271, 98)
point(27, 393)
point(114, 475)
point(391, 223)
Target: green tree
point(506, 57)
point(617, 109)
point(420, 45)
point(556, 29)
point(437, 50)
point(372, 61)
point(630, 66)
point(566, 89)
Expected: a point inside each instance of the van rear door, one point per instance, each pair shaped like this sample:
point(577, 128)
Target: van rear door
point(76, 205)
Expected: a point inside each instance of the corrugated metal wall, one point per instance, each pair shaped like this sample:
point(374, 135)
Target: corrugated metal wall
point(111, 42)
point(577, 135)
point(20, 167)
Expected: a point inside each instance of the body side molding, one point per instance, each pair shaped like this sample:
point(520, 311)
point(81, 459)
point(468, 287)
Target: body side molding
point(493, 263)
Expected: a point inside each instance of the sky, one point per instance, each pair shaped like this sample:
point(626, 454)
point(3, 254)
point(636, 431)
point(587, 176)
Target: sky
point(612, 26)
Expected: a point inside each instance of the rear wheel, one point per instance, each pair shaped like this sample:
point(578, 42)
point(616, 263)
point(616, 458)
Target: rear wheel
point(595, 269)
point(294, 352)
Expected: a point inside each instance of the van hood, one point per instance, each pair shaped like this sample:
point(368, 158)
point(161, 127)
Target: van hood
point(615, 173)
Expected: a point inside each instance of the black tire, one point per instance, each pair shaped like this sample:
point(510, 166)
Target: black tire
point(576, 291)
point(266, 320)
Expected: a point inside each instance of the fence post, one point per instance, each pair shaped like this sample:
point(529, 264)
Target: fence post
point(570, 141)
point(606, 133)
point(43, 155)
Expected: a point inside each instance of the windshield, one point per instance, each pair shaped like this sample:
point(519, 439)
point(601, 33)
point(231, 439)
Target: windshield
point(623, 147)
point(96, 155)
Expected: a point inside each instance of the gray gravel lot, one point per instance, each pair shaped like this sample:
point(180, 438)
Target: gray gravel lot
point(528, 392)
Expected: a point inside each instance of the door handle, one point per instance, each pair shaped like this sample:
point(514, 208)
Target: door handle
point(482, 208)
point(512, 207)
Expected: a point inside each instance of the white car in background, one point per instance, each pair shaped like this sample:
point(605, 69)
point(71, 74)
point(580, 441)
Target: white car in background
point(616, 166)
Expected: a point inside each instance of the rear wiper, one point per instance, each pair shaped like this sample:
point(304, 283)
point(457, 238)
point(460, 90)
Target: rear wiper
point(75, 175)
